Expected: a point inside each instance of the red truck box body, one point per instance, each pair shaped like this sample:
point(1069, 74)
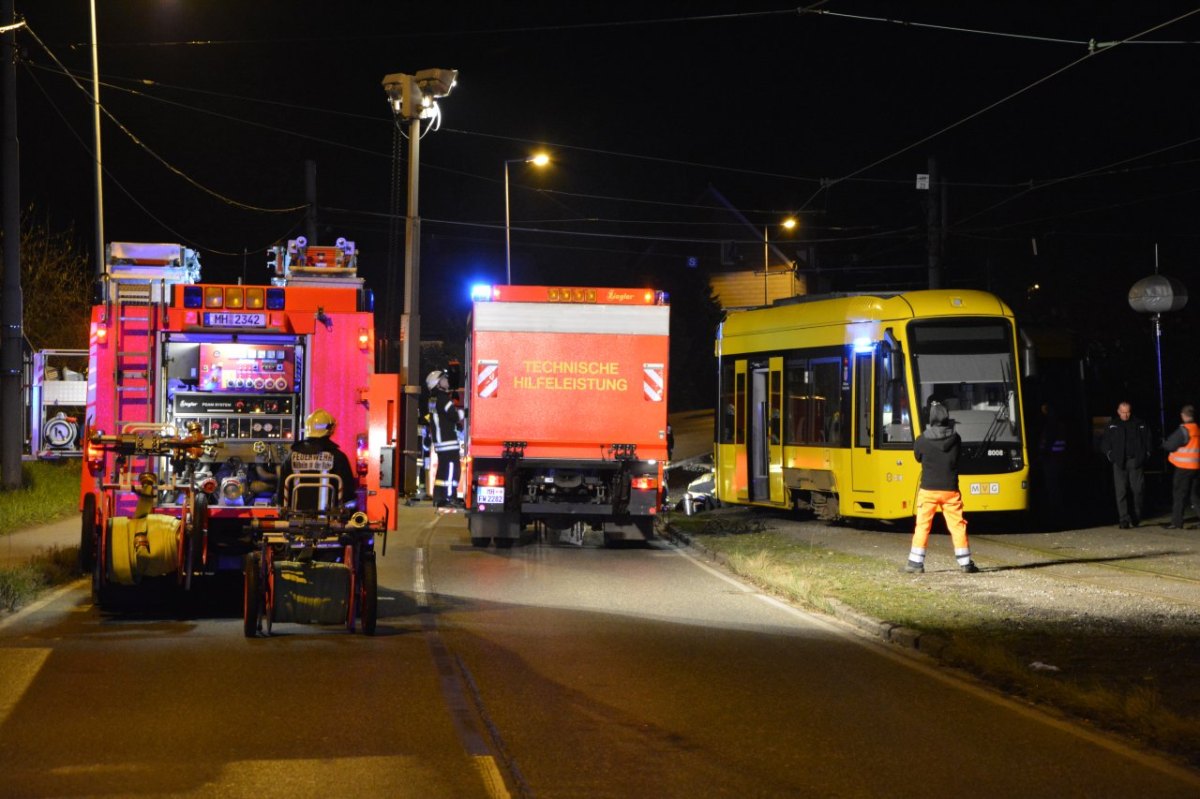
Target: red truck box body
point(567, 391)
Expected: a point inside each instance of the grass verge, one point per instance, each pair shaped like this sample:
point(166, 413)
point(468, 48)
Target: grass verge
point(49, 491)
point(972, 632)
point(19, 585)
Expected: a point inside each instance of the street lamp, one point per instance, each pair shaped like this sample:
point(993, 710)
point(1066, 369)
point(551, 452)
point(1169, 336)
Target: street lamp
point(786, 224)
point(540, 159)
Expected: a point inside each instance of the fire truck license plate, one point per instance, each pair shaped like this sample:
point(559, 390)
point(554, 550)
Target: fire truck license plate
point(489, 495)
point(227, 319)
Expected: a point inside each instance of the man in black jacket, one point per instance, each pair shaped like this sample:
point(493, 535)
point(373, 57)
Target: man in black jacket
point(1126, 444)
point(936, 449)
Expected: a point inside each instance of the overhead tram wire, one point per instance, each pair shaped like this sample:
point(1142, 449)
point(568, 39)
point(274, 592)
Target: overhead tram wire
point(1090, 54)
point(1091, 44)
point(629, 236)
point(181, 237)
point(169, 166)
point(1024, 184)
point(826, 183)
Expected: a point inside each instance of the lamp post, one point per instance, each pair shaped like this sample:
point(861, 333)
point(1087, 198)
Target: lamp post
point(99, 164)
point(541, 159)
point(786, 224)
point(413, 98)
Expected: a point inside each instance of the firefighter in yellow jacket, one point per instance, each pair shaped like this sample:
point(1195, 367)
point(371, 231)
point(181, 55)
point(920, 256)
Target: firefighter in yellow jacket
point(1184, 448)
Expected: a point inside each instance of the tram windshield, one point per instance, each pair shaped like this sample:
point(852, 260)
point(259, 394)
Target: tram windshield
point(969, 366)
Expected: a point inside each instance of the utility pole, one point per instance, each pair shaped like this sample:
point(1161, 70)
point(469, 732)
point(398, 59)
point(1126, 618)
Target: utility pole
point(413, 98)
point(936, 224)
point(12, 407)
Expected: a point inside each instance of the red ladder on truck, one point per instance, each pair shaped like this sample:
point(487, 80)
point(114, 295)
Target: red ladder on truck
point(136, 318)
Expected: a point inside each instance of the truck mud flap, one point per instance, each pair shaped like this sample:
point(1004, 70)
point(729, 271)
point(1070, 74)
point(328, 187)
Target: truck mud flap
point(640, 528)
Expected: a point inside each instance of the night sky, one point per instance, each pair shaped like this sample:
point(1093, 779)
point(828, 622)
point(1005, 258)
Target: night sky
point(1062, 168)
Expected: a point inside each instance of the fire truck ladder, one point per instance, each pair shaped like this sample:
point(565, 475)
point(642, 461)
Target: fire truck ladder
point(137, 317)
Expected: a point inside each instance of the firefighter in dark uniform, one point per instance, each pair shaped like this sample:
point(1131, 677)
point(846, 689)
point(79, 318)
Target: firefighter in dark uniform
point(445, 420)
point(317, 453)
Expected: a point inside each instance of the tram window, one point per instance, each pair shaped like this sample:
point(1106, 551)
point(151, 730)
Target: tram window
point(969, 366)
point(739, 410)
point(797, 409)
point(727, 410)
point(826, 400)
point(775, 424)
point(893, 420)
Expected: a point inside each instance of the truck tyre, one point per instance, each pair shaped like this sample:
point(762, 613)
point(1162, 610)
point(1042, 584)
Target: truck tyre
point(504, 543)
point(105, 595)
point(369, 594)
point(252, 596)
point(480, 542)
point(87, 535)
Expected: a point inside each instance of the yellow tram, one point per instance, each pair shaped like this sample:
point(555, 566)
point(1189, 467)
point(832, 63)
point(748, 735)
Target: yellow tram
point(822, 397)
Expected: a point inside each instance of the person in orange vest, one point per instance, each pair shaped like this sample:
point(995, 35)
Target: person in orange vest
point(1184, 448)
point(936, 449)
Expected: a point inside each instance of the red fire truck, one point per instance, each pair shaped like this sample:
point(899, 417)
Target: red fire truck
point(566, 412)
point(195, 392)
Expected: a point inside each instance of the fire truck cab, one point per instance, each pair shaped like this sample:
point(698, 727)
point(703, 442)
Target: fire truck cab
point(196, 392)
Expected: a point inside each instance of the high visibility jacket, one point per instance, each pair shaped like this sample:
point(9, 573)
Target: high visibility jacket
point(1188, 456)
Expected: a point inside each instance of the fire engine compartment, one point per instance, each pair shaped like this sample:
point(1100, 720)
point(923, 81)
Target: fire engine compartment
point(246, 394)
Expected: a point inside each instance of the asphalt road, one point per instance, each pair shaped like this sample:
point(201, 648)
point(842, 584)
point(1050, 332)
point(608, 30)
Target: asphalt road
point(539, 671)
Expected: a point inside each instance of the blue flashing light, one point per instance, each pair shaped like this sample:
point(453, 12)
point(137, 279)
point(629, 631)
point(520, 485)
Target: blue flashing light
point(481, 292)
point(275, 299)
point(863, 344)
point(193, 297)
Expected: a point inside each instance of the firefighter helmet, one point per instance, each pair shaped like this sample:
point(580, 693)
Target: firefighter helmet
point(433, 377)
point(320, 423)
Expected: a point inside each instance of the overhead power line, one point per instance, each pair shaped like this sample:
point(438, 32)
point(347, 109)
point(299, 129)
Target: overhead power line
point(168, 165)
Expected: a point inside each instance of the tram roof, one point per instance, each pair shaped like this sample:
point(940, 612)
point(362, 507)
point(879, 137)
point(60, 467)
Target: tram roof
point(847, 308)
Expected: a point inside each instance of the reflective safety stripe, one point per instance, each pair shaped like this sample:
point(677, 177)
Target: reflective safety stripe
point(963, 556)
point(487, 378)
point(652, 382)
point(916, 555)
point(1188, 456)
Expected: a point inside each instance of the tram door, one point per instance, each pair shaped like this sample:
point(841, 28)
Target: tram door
point(861, 474)
point(764, 440)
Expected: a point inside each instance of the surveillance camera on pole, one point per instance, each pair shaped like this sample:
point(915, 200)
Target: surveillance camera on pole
point(414, 97)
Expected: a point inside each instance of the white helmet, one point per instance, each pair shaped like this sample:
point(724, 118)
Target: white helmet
point(432, 379)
